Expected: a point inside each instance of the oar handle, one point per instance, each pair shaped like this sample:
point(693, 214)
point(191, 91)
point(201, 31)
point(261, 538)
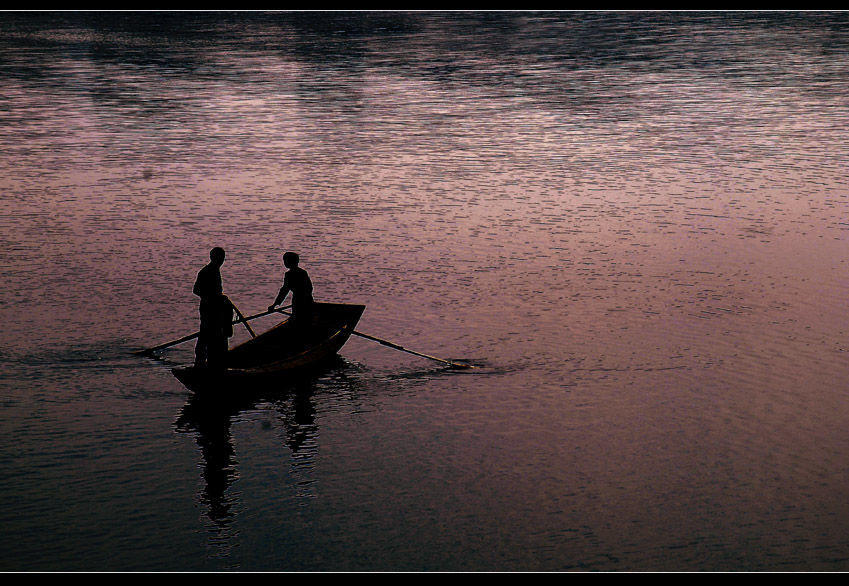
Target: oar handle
point(196, 334)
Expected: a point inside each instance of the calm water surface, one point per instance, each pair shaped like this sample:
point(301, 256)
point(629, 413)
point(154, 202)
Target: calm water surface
point(635, 224)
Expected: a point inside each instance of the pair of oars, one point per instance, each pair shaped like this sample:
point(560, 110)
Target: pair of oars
point(243, 319)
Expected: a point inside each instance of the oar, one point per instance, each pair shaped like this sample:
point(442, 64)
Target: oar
point(196, 334)
point(402, 349)
point(393, 345)
point(244, 321)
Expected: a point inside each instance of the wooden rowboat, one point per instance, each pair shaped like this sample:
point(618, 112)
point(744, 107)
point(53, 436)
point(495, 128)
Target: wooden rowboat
point(288, 348)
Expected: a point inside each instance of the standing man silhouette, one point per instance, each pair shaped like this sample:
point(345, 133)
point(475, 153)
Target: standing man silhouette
point(298, 282)
point(216, 312)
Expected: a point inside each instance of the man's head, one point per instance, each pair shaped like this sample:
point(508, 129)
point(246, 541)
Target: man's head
point(291, 260)
point(216, 255)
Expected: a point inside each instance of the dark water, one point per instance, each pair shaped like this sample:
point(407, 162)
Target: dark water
point(635, 224)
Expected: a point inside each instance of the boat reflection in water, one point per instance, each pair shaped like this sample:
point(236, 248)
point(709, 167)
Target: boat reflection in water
point(280, 367)
point(210, 415)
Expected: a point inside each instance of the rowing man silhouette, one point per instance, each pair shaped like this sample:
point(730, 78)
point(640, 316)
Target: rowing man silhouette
point(298, 282)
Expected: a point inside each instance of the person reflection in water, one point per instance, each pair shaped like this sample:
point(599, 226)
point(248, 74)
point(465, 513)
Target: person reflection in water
point(216, 312)
point(298, 282)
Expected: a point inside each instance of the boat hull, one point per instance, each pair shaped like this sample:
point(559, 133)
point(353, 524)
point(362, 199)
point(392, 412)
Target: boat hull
point(289, 349)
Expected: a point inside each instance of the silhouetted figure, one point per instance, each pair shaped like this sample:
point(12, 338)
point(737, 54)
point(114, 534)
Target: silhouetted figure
point(298, 282)
point(216, 312)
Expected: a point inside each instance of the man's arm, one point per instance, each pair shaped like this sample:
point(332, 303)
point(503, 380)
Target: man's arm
point(280, 297)
point(198, 287)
